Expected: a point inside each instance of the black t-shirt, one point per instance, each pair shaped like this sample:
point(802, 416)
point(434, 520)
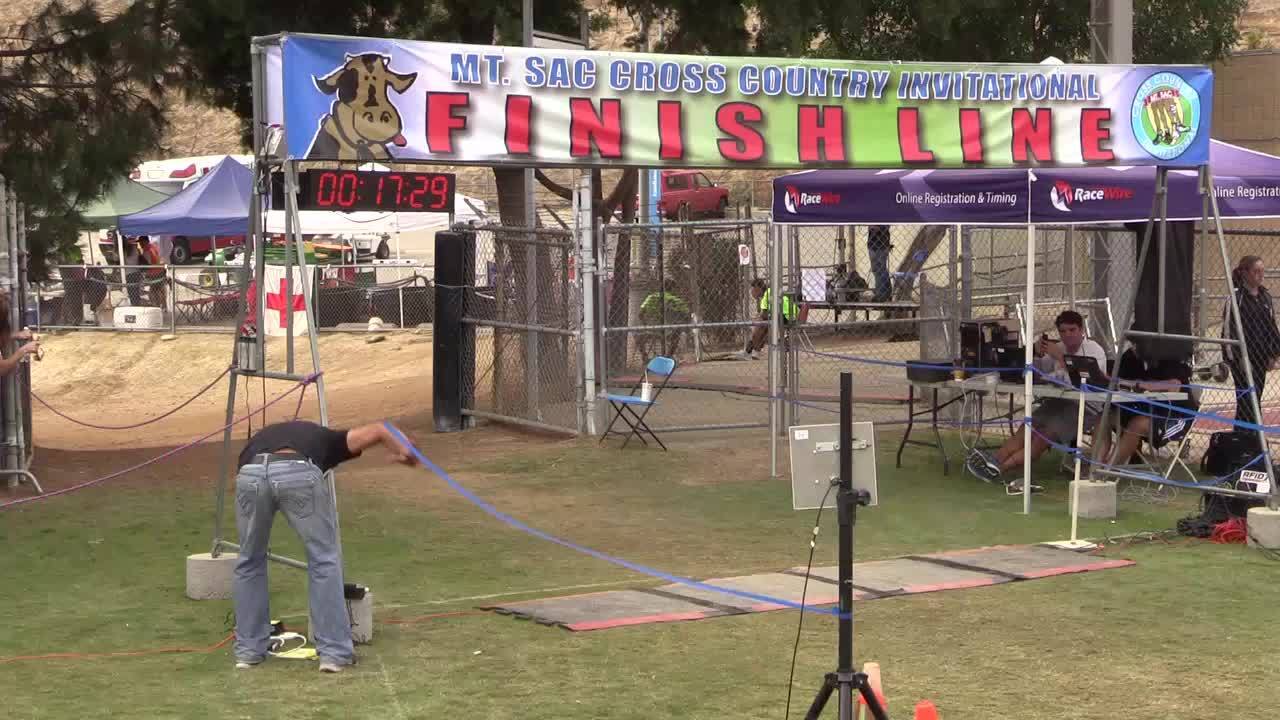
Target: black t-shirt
point(324, 447)
point(1133, 367)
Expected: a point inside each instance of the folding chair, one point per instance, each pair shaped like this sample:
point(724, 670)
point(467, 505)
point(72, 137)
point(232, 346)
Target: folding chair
point(624, 406)
point(1177, 436)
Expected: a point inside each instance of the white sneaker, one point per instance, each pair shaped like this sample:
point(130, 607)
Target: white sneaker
point(244, 665)
point(330, 667)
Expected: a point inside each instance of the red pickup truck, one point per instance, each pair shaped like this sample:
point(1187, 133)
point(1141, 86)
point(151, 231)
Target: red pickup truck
point(691, 191)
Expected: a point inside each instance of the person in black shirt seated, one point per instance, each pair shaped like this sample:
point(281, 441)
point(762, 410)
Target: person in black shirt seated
point(1141, 421)
point(282, 468)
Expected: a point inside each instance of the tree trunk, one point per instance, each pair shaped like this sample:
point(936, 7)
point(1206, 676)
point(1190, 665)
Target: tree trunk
point(620, 295)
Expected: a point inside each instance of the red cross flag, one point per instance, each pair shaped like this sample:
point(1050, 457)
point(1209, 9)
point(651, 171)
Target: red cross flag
point(278, 302)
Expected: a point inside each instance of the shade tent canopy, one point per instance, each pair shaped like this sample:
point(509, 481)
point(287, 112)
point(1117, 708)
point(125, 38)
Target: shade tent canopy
point(216, 204)
point(321, 222)
point(1247, 183)
point(123, 198)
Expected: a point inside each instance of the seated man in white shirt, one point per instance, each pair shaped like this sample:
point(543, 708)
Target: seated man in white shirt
point(1054, 418)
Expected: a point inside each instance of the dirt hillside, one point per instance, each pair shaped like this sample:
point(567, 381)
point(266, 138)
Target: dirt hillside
point(119, 379)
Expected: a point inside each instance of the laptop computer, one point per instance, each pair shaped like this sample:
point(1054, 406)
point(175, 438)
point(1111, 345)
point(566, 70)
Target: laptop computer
point(1084, 369)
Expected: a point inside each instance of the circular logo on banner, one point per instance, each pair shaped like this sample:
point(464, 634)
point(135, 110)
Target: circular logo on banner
point(1166, 115)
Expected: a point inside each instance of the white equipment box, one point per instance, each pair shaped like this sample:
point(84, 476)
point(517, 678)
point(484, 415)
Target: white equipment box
point(138, 318)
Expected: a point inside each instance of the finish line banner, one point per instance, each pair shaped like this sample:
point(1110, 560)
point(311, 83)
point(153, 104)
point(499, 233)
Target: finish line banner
point(357, 99)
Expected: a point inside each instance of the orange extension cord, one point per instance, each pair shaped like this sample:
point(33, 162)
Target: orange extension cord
point(127, 653)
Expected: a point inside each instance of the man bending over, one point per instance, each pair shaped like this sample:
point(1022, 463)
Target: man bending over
point(282, 468)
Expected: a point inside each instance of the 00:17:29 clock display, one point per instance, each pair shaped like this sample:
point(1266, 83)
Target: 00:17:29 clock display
point(354, 190)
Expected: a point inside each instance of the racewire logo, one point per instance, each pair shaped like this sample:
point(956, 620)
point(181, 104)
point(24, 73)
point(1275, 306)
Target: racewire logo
point(1063, 195)
point(793, 199)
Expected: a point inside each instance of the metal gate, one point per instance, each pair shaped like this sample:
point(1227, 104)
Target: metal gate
point(684, 290)
point(525, 308)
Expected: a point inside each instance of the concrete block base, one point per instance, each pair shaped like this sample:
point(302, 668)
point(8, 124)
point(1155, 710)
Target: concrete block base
point(208, 577)
point(362, 619)
point(1264, 528)
point(1097, 498)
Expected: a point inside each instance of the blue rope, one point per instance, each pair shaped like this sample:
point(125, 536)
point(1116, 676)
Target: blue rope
point(1138, 474)
point(1156, 403)
point(507, 519)
point(901, 364)
point(932, 366)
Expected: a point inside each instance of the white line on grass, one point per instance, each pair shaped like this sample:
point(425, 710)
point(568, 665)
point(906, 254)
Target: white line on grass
point(391, 688)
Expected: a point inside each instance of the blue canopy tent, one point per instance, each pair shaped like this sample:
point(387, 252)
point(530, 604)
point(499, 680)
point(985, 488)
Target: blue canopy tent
point(216, 204)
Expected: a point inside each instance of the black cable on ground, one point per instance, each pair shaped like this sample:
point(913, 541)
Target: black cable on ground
point(813, 546)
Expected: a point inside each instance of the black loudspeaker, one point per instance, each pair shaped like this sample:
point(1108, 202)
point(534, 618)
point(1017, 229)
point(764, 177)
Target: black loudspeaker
point(453, 340)
point(1179, 280)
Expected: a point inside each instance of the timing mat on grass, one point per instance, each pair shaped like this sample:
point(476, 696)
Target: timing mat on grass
point(908, 575)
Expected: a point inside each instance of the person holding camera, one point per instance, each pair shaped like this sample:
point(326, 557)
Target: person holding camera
point(30, 346)
point(1054, 419)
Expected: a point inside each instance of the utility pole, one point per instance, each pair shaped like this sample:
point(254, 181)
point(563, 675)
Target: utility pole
point(1111, 31)
point(1114, 257)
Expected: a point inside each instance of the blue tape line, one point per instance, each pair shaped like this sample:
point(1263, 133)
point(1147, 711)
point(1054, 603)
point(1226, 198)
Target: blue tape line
point(505, 518)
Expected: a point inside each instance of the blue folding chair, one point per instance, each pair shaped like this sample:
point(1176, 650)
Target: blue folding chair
point(624, 406)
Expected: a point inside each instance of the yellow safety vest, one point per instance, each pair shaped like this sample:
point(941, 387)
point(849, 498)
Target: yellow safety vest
point(789, 310)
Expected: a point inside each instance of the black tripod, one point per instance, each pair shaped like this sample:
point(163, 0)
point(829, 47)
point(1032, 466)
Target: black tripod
point(844, 680)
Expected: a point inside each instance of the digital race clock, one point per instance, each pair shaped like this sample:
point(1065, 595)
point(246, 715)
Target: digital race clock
point(382, 191)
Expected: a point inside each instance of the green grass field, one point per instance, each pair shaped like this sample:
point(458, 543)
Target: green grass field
point(1188, 632)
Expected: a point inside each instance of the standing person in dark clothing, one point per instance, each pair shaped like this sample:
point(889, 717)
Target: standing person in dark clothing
point(282, 468)
point(1261, 337)
point(878, 247)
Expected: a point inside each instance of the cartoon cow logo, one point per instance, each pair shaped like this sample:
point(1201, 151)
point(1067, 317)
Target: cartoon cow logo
point(1166, 115)
point(362, 120)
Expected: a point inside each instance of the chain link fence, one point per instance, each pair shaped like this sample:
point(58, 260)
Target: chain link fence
point(525, 309)
point(204, 299)
point(684, 290)
point(15, 388)
point(872, 298)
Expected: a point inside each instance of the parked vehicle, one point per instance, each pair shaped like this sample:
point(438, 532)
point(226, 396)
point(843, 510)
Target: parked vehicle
point(691, 194)
point(377, 246)
point(182, 250)
point(170, 176)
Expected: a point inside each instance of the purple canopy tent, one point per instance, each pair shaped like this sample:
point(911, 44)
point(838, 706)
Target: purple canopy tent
point(1247, 184)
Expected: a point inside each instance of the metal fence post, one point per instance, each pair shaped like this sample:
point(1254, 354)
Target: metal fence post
point(170, 279)
point(773, 247)
point(587, 274)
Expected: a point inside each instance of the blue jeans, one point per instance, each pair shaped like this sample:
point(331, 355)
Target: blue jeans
point(879, 254)
point(298, 489)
